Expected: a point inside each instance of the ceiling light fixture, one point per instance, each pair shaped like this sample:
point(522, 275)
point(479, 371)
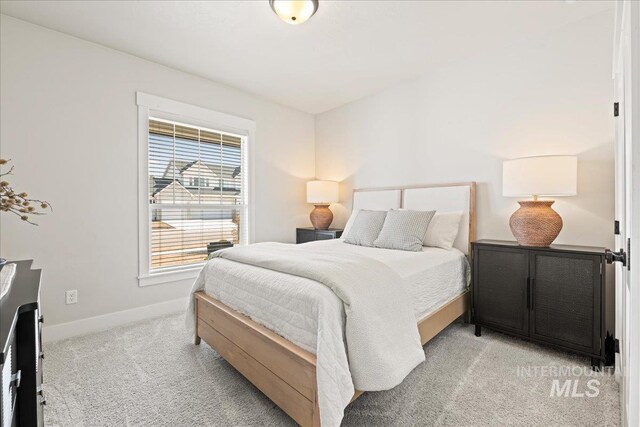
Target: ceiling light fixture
point(294, 11)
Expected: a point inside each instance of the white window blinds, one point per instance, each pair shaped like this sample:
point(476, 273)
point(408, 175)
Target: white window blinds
point(197, 192)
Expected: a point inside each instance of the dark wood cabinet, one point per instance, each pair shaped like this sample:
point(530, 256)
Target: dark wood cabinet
point(501, 295)
point(551, 295)
point(310, 234)
point(21, 395)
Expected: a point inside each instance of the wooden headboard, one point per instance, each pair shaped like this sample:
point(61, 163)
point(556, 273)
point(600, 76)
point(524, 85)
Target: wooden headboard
point(457, 196)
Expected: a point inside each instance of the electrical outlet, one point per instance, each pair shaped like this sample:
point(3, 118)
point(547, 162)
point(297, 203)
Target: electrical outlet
point(71, 296)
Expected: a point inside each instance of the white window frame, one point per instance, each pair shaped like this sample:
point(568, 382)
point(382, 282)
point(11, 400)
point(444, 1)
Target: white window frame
point(163, 108)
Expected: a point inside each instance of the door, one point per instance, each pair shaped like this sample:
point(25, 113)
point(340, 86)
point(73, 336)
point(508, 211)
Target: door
point(566, 298)
point(500, 288)
point(627, 125)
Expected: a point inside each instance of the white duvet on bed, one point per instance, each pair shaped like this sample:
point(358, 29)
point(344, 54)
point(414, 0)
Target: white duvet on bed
point(434, 275)
point(303, 310)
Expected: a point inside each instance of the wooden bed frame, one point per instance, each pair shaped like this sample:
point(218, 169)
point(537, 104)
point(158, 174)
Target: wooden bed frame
point(282, 370)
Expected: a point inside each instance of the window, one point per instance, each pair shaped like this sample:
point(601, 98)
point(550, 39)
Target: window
point(199, 182)
point(193, 184)
point(186, 214)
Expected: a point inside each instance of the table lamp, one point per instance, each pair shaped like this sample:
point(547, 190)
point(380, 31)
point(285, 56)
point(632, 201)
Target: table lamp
point(322, 194)
point(535, 223)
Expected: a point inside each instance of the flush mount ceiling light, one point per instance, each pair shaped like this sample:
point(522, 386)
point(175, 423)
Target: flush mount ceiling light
point(294, 11)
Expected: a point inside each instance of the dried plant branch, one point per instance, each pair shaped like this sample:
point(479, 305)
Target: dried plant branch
point(19, 203)
point(10, 171)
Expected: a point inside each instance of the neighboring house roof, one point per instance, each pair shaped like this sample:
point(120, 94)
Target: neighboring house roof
point(159, 184)
point(181, 166)
point(175, 186)
point(228, 174)
point(188, 165)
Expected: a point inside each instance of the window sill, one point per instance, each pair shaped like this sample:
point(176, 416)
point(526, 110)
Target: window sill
point(170, 276)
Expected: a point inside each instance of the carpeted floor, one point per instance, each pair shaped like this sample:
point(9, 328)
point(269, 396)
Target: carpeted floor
point(150, 374)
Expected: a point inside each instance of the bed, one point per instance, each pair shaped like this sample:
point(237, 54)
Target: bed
point(279, 330)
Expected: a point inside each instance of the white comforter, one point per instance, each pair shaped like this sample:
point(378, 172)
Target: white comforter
point(310, 314)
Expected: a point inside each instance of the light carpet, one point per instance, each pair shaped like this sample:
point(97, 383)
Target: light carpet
point(150, 374)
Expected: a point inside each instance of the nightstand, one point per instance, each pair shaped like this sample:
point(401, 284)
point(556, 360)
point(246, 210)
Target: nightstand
point(553, 295)
point(310, 234)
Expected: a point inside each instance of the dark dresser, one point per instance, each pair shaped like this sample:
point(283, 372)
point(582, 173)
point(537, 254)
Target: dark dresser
point(551, 295)
point(21, 356)
point(310, 234)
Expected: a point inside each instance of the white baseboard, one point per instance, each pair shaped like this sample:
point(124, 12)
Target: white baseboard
point(108, 321)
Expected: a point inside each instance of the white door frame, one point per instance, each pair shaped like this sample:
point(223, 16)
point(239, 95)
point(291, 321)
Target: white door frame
point(633, 127)
point(627, 89)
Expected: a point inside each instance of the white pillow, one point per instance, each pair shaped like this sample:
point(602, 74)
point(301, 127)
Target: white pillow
point(404, 230)
point(349, 224)
point(366, 228)
point(443, 230)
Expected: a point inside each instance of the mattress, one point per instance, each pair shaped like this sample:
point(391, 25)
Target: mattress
point(290, 305)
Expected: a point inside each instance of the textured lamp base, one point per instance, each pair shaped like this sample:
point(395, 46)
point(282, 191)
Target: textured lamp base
point(321, 217)
point(535, 223)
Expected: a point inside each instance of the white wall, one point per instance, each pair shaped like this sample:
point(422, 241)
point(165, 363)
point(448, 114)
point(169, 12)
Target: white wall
point(68, 115)
point(69, 123)
point(550, 96)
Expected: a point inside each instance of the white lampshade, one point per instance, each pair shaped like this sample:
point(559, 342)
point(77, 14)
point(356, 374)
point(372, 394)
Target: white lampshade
point(540, 176)
point(322, 192)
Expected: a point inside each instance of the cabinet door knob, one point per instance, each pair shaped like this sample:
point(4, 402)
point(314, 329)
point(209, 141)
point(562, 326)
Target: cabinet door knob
point(41, 319)
point(15, 379)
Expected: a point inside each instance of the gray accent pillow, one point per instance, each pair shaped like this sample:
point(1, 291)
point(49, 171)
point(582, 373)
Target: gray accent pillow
point(365, 228)
point(404, 230)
